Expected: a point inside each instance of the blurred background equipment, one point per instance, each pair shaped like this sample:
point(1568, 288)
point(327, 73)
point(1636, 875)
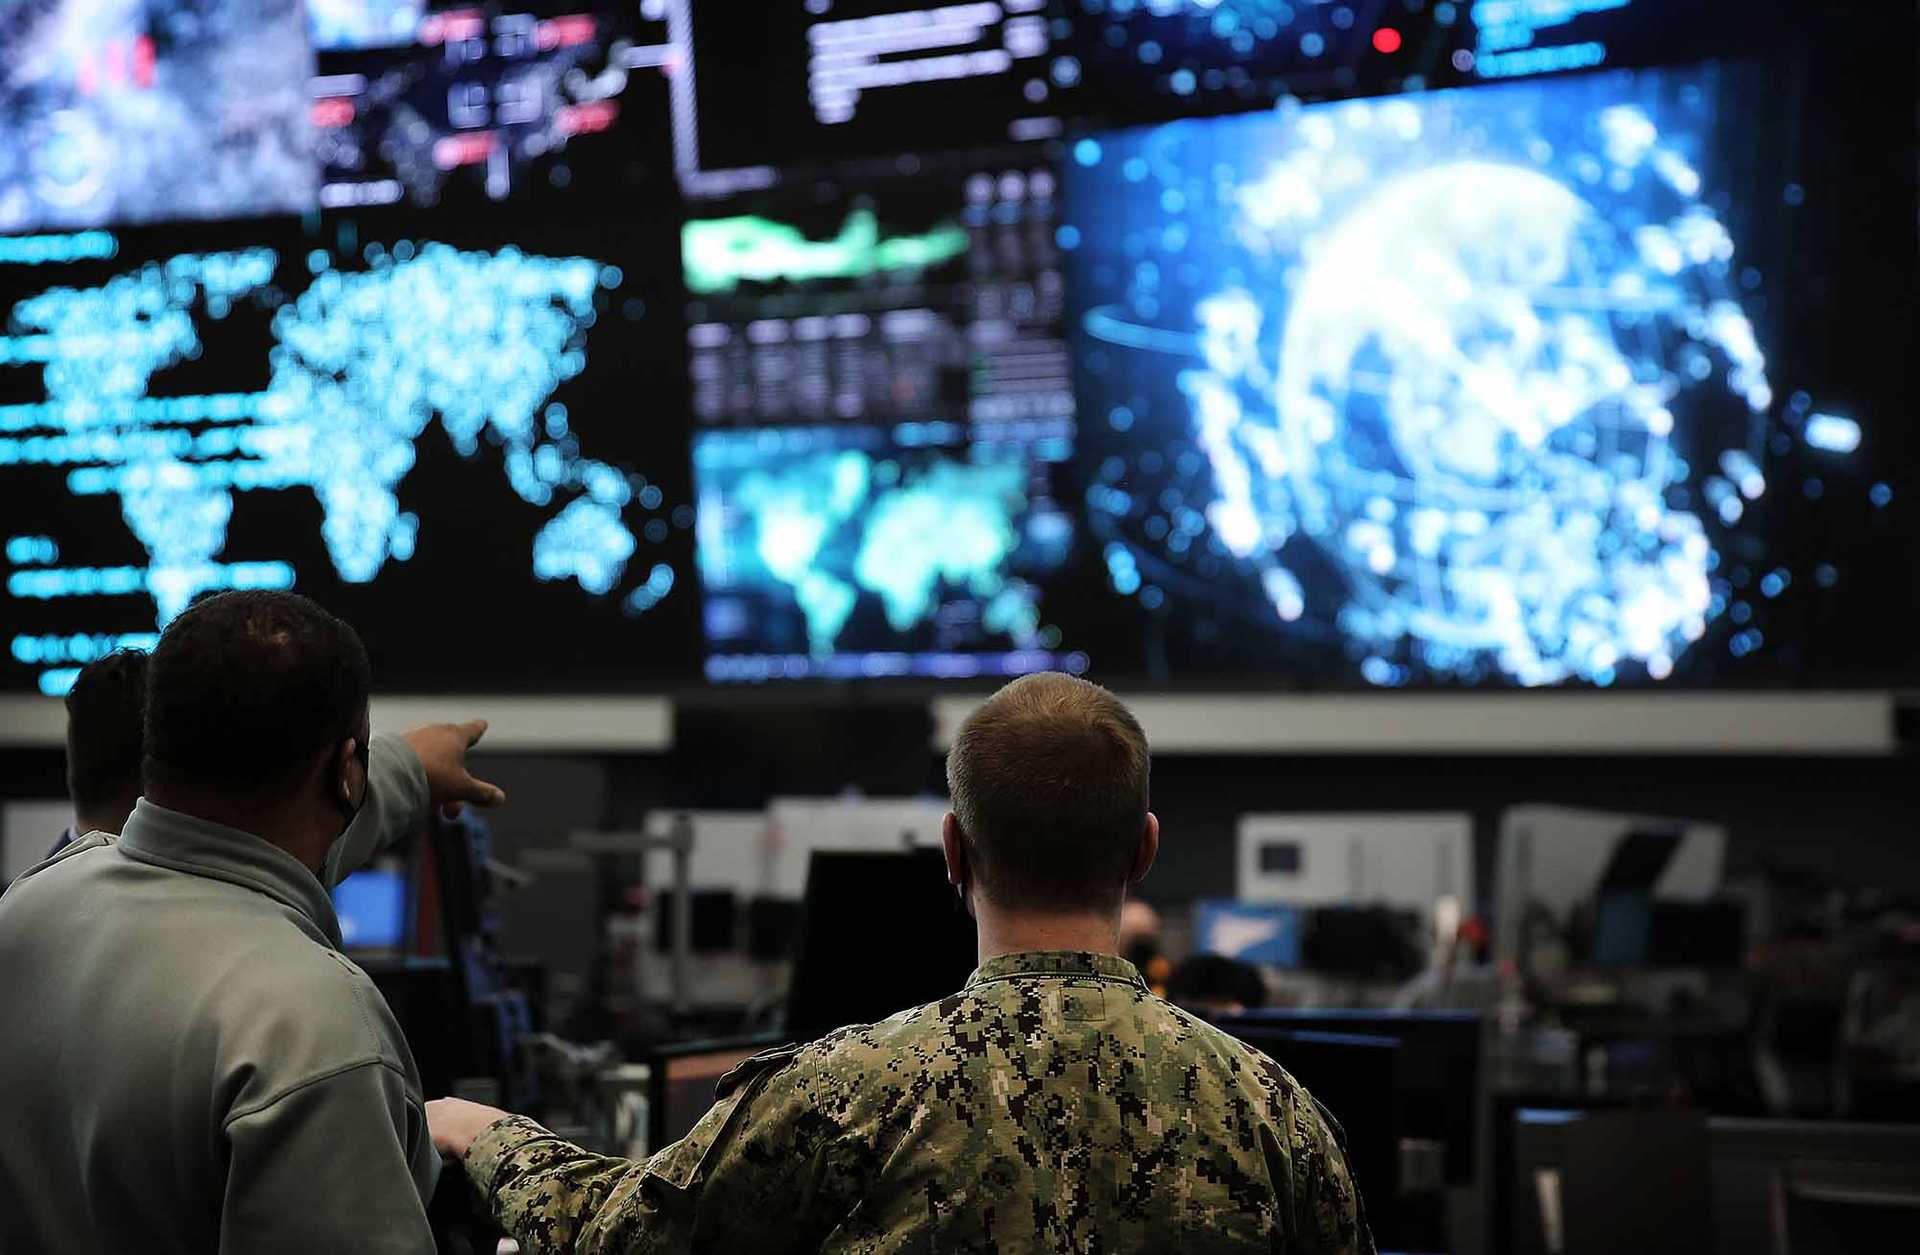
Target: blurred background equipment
point(1556, 862)
point(374, 907)
point(1414, 861)
point(840, 976)
point(1611, 1181)
point(842, 972)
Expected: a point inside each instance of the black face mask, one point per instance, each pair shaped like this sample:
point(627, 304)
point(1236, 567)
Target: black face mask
point(350, 811)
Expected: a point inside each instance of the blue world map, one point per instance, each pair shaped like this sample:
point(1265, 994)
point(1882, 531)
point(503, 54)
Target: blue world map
point(828, 528)
point(364, 361)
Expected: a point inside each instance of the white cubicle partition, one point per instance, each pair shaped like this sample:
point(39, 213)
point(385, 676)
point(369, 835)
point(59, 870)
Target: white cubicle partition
point(1410, 860)
point(1552, 858)
point(799, 826)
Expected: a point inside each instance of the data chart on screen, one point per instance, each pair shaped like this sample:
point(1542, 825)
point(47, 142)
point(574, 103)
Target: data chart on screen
point(882, 403)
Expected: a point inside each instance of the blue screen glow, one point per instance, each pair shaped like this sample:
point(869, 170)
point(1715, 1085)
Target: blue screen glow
point(342, 364)
point(372, 906)
point(1253, 932)
point(834, 553)
point(1464, 384)
point(114, 112)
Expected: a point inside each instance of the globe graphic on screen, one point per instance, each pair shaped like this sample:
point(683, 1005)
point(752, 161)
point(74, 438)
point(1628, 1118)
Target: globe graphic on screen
point(1458, 412)
point(1472, 391)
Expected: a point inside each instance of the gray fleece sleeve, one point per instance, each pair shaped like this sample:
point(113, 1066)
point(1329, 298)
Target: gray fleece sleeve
point(395, 809)
point(343, 1163)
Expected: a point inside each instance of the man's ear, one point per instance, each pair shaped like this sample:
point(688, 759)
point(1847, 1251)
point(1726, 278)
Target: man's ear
point(956, 852)
point(959, 866)
point(346, 757)
point(1149, 848)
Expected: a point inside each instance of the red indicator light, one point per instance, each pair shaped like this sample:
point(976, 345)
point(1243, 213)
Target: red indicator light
point(332, 113)
point(1386, 40)
point(454, 151)
point(585, 119)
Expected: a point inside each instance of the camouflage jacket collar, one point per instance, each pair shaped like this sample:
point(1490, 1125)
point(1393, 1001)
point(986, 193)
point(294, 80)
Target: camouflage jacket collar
point(1057, 963)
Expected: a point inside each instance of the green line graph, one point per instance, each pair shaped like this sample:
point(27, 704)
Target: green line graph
point(721, 253)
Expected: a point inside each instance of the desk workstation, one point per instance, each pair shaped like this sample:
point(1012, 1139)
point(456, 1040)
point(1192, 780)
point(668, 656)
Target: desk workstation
point(1442, 1107)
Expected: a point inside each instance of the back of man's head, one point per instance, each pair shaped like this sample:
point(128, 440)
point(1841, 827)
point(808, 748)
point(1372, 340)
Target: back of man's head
point(1049, 785)
point(105, 717)
point(246, 690)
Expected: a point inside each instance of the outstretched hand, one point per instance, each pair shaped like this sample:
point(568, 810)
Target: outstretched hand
point(442, 748)
point(455, 1122)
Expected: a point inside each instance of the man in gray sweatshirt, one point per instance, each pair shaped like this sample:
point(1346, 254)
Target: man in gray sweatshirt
point(187, 1061)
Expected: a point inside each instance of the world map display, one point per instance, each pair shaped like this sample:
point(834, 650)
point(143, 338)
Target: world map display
point(931, 548)
point(372, 352)
point(881, 410)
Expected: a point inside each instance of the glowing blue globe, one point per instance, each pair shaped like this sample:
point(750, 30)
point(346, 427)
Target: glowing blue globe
point(1470, 410)
point(1460, 419)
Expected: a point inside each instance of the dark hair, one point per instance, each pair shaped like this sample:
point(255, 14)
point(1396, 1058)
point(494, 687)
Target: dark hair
point(106, 713)
point(1049, 785)
point(1212, 979)
point(246, 687)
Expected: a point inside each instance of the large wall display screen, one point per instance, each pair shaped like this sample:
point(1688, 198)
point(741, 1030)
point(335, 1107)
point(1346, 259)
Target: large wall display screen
point(452, 438)
point(1522, 384)
point(883, 404)
point(1327, 344)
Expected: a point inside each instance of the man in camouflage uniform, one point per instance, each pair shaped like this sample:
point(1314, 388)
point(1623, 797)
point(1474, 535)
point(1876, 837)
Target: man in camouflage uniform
point(1053, 1104)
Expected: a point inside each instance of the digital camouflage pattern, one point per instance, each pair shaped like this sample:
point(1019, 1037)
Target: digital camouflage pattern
point(1053, 1104)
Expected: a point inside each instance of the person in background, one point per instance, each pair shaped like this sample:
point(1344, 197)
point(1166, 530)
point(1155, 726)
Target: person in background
point(106, 710)
point(1052, 1104)
point(189, 1063)
point(1140, 944)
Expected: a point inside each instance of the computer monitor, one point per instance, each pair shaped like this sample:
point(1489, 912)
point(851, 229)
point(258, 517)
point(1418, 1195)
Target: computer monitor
point(1638, 930)
point(772, 925)
point(1576, 1189)
point(1363, 942)
point(715, 927)
point(879, 933)
point(372, 906)
point(1356, 1077)
point(1439, 1067)
point(1267, 933)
